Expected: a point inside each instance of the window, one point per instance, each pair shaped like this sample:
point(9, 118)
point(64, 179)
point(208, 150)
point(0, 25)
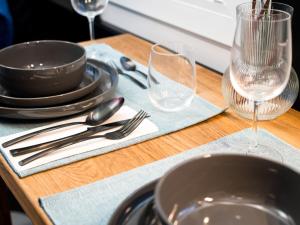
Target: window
point(207, 24)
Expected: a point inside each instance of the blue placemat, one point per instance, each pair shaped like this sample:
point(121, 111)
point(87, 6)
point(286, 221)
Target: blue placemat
point(135, 98)
point(93, 204)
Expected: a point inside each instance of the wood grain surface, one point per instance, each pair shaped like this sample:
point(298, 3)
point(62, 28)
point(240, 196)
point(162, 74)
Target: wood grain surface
point(29, 189)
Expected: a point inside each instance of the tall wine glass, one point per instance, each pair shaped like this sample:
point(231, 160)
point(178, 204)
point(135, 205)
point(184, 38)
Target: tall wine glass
point(261, 58)
point(90, 9)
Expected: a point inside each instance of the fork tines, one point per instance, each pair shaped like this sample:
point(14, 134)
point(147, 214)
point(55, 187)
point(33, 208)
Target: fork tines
point(134, 122)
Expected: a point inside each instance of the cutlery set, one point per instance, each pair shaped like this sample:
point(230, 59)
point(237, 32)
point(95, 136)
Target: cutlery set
point(88, 132)
point(95, 117)
point(129, 65)
point(120, 71)
point(128, 127)
point(94, 122)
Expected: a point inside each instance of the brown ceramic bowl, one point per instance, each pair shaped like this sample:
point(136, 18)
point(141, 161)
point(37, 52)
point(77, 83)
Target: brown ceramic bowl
point(41, 68)
point(229, 189)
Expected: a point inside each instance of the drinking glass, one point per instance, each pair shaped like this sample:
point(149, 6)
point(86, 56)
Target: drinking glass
point(261, 59)
point(267, 110)
point(90, 9)
point(172, 77)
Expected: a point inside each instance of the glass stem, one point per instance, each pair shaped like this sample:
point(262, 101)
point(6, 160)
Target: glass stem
point(91, 27)
point(254, 123)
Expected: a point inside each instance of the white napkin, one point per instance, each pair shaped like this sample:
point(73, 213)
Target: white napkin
point(146, 127)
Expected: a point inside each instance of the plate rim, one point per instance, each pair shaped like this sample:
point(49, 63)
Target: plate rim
point(128, 201)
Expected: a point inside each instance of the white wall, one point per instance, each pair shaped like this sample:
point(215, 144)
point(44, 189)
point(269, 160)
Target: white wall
point(207, 25)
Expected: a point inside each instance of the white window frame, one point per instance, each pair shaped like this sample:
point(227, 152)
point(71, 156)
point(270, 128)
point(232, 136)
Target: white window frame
point(206, 24)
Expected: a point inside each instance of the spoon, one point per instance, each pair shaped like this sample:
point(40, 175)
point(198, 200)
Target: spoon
point(119, 71)
point(95, 117)
point(129, 65)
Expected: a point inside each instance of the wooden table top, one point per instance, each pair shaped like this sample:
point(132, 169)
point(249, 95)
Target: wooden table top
point(28, 190)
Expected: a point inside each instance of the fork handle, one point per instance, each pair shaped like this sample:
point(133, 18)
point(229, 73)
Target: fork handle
point(56, 147)
point(43, 146)
point(140, 84)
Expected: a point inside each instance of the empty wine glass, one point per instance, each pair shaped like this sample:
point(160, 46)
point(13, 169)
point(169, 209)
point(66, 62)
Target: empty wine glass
point(171, 77)
point(261, 59)
point(90, 9)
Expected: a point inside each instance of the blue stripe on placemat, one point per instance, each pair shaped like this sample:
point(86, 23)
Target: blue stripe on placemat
point(93, 204)
point(136, 98)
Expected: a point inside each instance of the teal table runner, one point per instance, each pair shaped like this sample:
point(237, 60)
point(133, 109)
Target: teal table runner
point(136, 98)
point(93, 204)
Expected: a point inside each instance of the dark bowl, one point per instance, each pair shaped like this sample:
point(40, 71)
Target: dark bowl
point(229, 189)
point(41, 68)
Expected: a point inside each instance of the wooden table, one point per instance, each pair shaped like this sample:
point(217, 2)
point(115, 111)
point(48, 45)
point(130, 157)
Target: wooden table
point(29, 189)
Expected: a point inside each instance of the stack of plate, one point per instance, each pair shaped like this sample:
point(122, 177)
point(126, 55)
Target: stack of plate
point(98, 84)
point(138, 208)
point(249, 190)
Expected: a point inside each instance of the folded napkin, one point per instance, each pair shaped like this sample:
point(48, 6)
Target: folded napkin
point(93, 204)
point(146, 127)
point(135, 98)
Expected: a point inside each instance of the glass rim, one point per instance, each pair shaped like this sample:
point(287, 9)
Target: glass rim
point(159, 52)
point(254, 14)
point(273, 3)
point(283, 4)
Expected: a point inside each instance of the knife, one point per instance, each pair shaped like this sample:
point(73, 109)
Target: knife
point(89, 131)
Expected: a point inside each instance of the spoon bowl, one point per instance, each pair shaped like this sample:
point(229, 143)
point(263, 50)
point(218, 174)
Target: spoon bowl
point(104, 111)
point(129, 65)
point(95, 117)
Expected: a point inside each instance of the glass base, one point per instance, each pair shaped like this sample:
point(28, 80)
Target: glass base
point(171, 104)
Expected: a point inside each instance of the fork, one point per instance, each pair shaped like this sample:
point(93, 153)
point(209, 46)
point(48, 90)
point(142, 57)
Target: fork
point(122, 132)
point(120, 71)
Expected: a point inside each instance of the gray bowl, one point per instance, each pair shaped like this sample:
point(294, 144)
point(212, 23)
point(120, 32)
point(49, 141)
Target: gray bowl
point(41, 68)
point(229, 189)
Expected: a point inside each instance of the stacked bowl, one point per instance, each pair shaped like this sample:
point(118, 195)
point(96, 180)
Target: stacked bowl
point(217, 189)
point(49, 79)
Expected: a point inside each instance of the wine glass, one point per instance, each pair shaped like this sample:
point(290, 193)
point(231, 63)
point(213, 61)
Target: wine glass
point(171, 77)
point(261, 58)
point(90, 9)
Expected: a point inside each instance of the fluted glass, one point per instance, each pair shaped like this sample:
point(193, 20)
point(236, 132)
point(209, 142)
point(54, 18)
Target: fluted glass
point(267, 110)
point(261, 58)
